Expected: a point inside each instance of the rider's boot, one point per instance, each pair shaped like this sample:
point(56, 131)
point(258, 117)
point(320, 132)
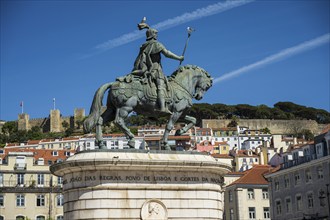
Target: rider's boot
point(161, 102)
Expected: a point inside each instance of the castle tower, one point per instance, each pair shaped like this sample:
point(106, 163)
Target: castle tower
point(55, 121)
point(23, 122)
point(79, 115)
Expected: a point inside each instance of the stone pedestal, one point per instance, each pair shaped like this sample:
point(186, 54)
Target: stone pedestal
point(141, 185)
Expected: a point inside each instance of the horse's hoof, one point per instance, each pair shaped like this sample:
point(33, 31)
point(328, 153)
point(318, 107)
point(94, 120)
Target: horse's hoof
point(131, 144)
point(167, 147)
point(178, 132)
point(103, 147)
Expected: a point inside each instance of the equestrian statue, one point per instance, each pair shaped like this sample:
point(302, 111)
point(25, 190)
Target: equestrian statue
point(146, 90)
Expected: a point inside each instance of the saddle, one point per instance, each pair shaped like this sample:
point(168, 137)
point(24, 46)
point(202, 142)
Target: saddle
point(130, 84)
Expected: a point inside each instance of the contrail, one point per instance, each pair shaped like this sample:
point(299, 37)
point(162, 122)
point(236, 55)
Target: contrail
point(307, 45)
point(172, 22)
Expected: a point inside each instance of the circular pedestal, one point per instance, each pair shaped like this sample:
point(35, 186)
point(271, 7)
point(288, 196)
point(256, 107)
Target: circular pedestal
point(141, 185)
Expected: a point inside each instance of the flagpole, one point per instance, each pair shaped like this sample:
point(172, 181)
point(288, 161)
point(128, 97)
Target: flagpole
point(22, 107)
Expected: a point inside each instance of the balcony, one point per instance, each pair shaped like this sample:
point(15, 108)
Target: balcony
point(20, 166)
point(29, 187)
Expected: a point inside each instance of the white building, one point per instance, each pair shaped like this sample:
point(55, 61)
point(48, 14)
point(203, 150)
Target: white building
point(246, 194)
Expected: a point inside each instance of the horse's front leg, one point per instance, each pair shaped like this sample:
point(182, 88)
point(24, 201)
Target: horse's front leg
point(99, 137)
point(191, 122)
point(173, 119)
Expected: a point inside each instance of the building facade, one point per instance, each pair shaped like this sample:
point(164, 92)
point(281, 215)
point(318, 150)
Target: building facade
point(246, 194)
point(300, 188)
point(27, 188)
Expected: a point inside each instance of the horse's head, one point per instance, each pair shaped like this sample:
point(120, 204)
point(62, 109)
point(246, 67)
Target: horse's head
point(194, 79)
point(204, 82)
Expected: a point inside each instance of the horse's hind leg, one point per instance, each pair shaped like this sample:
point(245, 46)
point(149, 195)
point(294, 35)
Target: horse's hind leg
point(107, 116)
point(121, 114)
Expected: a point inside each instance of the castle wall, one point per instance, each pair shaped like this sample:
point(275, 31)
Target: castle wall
point(275, 126)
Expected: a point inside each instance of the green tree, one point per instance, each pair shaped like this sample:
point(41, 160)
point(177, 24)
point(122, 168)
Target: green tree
point(35, 133)
point(233, 123)
point(265, 130)
point(263, 112)
point(9, 127)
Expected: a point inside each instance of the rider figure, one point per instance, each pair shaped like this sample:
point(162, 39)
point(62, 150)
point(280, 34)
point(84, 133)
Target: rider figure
point(148, 63)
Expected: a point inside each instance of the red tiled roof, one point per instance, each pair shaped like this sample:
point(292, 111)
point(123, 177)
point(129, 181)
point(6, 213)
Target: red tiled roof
point(47, 140)
point(31, 142)
point(221, 156)
point(225, 129)
point(12, 144)
point(70, 139)
point(254, 175)
point(326, 129)
point(40, 153)
point(244, 153)
point(221, 143)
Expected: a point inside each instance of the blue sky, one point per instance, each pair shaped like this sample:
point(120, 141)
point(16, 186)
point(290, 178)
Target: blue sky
point(258, 52)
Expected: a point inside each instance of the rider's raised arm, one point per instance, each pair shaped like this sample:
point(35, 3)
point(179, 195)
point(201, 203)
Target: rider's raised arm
point(171, 55)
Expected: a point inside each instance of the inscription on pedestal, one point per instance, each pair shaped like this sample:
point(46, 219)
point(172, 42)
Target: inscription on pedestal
point(173, 178)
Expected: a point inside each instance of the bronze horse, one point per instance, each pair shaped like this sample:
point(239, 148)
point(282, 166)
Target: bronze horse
point(125, 96)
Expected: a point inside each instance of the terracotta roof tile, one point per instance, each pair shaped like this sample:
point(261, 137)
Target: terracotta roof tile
point(32, 142)
point(221, 156)
point(326, 129)
point(254, 175)
point(40, 153)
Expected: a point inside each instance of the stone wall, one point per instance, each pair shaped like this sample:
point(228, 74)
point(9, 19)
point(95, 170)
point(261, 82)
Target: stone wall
point(275, 126)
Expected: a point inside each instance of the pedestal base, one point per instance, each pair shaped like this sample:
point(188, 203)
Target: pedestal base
point(141, 185)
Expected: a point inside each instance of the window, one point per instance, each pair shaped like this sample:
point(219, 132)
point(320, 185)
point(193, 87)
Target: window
point(20, 217)
point(296, 178)
point(59, 200)
point(278, 207)
point(319, 173)
point(54, 153)
point(20, 179)
point(41, 217)
point(231, 214)
point(265, 193)
point(67, 153)
point(2, 218)
point(20, 200)
point(288, 205)
point(60, 217)
point(310, 200)
point(299, 202)
point(41, 179)
point(2, 201)
point(59, 180)
point(252, 213)
point(266, 213)
point(40, 200)
point(1, 179)
point(230, 196)
point(308, 176)
point(286, 181)
point(277, 185)
point(250, 194)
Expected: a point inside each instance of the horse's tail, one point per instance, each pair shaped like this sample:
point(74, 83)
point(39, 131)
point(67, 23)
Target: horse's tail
point(96, 108)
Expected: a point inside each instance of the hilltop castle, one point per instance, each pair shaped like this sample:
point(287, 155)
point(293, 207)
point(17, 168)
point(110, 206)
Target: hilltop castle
point(54, 123)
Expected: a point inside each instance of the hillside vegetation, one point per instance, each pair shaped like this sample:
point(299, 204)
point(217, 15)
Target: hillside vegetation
point(280, 111)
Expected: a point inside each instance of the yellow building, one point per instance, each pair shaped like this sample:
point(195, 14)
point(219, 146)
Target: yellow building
point(27, 188)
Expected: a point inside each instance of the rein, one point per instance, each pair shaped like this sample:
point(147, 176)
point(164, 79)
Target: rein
point(182, 87)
